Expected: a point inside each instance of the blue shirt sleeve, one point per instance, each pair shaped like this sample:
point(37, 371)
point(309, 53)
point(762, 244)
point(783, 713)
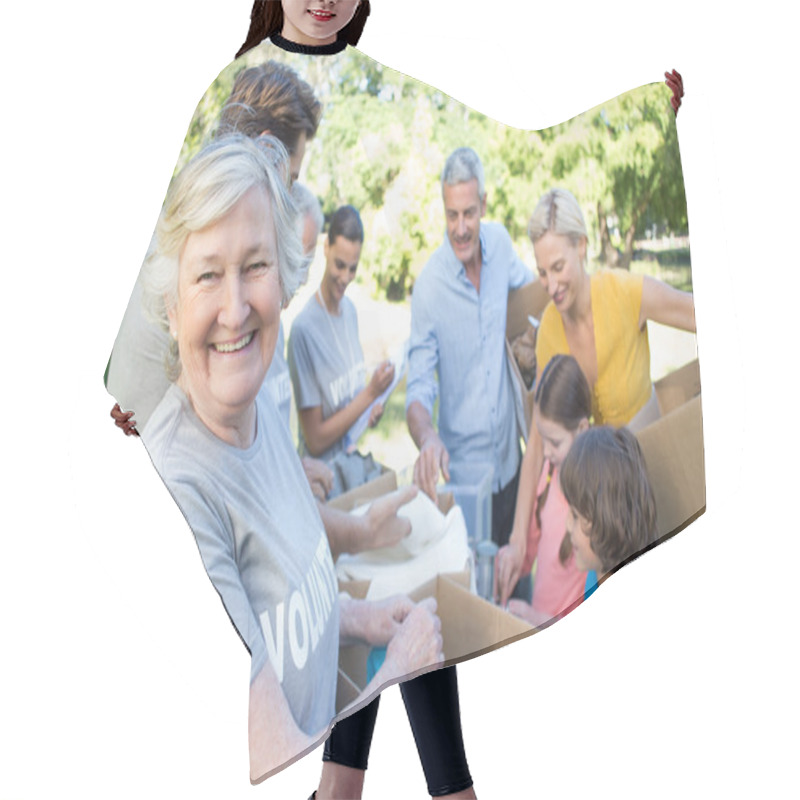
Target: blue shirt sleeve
point(423, 353)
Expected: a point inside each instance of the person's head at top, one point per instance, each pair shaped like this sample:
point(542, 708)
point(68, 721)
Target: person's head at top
point(612, 512)
point(342, 254)
point(464, 196)
point(306, 22)
point(226, 258)
point(272, 99)
point(558, 232)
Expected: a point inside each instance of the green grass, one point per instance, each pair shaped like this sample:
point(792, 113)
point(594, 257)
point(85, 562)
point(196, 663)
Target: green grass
point(671, 266)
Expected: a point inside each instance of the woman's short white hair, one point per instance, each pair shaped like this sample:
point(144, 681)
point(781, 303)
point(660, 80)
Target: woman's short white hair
point(558, 212)
point(464, 165)
point(206, 189)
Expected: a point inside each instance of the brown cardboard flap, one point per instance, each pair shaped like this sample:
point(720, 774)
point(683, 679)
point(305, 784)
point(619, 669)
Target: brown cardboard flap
point(673, 451)
point(678, 387)
point(356, 589)
point(377, 487)
point(470, 625)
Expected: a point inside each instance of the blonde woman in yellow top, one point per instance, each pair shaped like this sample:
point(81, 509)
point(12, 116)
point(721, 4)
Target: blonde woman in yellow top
point(601, 320)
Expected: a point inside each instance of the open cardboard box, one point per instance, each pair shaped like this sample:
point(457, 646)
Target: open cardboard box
point(378, 487)
point(529, 300)
point(470, 626)
point(677, 388)
point(386, 482)
point(673, 450)
point(675, 457)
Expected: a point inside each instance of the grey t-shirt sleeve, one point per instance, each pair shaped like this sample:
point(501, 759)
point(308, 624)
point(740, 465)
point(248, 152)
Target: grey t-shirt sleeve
point(217, 552)
point(302, 368)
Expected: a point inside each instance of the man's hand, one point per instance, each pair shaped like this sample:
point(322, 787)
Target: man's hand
point(319, 477)
point(124, 420)
point(383, 527)
point(433, 456)
point(507, 569)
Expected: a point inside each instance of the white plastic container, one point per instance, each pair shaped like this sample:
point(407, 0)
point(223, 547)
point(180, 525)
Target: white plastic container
point(471, 485)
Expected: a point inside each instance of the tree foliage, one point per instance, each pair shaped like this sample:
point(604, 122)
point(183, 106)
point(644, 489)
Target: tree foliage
point(384, 138)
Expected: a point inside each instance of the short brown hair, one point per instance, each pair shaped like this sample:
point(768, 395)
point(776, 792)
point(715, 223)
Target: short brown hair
point(266, 19)
point(604, 479)
point(271, 97)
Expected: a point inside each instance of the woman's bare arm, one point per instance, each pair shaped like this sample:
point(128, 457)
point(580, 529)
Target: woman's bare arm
point(661, 303)
point(508, 565)
point(321, 434)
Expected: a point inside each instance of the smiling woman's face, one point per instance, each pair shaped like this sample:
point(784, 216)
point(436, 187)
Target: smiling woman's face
point(559, 263)
point(341, 265)
point(315, 22)
point(228, 312)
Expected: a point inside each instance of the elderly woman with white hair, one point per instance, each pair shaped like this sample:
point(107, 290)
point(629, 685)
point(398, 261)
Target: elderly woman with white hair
point(226, 258)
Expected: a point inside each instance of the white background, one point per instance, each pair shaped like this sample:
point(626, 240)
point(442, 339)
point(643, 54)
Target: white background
point(120, 676)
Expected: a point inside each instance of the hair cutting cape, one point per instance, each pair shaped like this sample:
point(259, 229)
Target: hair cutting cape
point(381, 147)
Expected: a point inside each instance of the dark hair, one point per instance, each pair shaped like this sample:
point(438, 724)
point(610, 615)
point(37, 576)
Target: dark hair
point(563, 396)
point(604, 479)
point(271, 97)
point(346, 222)
point(266, 19)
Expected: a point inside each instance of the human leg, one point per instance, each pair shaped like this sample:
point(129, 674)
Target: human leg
point(344, 759)
point(432, 705)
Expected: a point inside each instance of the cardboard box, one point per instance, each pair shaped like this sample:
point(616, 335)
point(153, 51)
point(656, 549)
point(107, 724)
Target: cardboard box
point(528, 300)
point(675, 456)
point(677, 388)
point(377, 487)
point(470, 627)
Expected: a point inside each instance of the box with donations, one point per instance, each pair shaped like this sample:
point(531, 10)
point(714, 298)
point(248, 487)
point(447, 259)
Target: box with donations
point(470, 626)
point(377, 487)
point(437, 542)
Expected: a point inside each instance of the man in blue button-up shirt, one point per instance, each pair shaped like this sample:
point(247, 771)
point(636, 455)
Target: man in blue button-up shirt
point(458, 328)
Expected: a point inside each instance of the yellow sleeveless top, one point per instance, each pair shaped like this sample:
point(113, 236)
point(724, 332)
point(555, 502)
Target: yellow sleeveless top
point(623, 351)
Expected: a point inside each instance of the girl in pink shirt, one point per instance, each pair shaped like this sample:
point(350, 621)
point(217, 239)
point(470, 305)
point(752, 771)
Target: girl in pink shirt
point(563, 406)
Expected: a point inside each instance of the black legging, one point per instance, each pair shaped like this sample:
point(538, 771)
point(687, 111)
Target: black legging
point(431, 702)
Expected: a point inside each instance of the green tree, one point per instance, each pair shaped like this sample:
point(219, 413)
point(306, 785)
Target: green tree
point(631, 166)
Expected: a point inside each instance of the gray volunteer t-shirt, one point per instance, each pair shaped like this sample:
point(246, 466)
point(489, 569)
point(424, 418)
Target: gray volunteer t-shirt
point(262, 543)
point(326, 362)
point(277, 381)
